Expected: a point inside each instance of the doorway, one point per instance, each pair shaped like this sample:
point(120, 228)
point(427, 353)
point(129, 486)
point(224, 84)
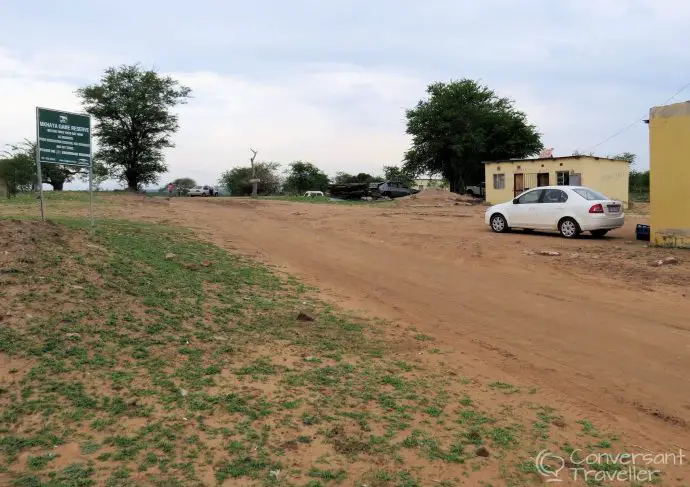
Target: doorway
point(518, 184)
point(543, 179)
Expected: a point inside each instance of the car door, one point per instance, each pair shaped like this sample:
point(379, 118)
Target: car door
point(552, 208)
point(524, 212)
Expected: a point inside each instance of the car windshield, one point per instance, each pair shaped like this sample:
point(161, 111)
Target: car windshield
point(589, 194)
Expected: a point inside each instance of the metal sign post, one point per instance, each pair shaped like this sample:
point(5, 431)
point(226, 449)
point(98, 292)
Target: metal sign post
point(63, 138)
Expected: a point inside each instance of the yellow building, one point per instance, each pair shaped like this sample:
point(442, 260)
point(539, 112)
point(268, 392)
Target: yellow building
point(506, 179)
point(669, 166)
point(425, 183)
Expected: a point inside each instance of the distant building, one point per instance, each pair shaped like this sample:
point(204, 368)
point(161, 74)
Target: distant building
point(508, 178)
point(669, 165)
point(424, 183)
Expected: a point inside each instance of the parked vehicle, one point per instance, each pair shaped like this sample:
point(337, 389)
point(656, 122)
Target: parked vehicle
point(313, 194)
point(203, 191)
point(570, 210)
point(478, 191)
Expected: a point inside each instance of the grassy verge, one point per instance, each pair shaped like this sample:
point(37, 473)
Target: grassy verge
point(145, 357)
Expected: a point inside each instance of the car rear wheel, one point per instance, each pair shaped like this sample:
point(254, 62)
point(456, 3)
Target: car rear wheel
point(599, 233)
point(499, 223)
point(569, 228)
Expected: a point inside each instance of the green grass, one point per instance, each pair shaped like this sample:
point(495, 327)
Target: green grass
point(170, 368)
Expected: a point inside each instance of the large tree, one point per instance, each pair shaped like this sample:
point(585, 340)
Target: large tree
point(305, 176)
point(236, 181)
point(460, 125)
point(134, 123)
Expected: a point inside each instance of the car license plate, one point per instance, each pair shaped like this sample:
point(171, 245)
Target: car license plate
point(614, 209)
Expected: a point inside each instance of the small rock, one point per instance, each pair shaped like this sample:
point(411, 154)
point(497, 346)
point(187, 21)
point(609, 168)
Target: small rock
point(550, 253)
point(73, 336)
point(170, 256)
point(220, 338)
point(302, 316)
point(274, 473)
point(558, 422)
point(574, 255)
point(183, 392)
point(482, 451)
point(132, 402)
point(528, 252)
point(74, 286)
point(206, 263)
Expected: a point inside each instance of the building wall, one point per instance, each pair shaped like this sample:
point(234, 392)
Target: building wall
point(669, 164)
point(604, 175)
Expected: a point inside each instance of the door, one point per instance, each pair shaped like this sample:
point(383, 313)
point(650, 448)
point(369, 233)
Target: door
point(551, 209)
point(543, 179)
point(524, 213)
point(518, 184)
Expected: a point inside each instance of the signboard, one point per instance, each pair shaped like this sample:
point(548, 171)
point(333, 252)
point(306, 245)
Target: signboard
point(63, 137)
point(546, 153)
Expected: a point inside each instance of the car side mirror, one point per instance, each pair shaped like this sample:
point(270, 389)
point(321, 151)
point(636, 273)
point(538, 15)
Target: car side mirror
point(515, 201)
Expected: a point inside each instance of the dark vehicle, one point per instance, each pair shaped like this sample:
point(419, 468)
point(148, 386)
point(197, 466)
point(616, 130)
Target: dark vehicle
point(383, 189)
point(391, 189)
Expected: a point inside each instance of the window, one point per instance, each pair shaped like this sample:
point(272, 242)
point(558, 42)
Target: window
point(530, 197)
point(562, 178)
point(555, 196)
point(499, 181)
point(589, 194)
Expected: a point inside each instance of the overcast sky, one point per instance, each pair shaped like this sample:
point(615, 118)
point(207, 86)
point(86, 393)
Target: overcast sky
point(329, 81)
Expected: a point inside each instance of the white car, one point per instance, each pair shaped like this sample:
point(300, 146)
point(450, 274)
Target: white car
point(203, 191)
point(570, 210)
point(312, 194)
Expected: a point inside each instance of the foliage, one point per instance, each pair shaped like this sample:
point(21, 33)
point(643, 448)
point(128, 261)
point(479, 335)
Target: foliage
point(305, 176)
point(638, 184)
point(345, 178)
point(18, 170)
point(401, 175)
point(625, 156)
point(23, 160)
point(236, 180)
point(462, 124)
point(133, 121)
point(182, 185)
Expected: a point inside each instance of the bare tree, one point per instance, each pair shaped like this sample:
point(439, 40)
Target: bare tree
point(254, 181)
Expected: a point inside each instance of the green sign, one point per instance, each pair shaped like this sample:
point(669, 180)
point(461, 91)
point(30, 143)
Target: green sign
point(63, 137)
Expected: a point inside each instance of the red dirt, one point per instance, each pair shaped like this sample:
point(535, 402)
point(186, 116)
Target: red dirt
point(601, 333)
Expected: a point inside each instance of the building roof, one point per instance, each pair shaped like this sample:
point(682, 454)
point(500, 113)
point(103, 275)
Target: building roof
point(536, 159)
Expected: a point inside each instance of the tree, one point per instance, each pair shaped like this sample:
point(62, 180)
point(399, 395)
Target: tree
point(18, 169)
point(305, 176)
point(462, 124)
point(394, 173)
point(183, 185)
point(625, 156)
point(133, 121)
point(55, 175)
point(345, 178)
point(236, 181)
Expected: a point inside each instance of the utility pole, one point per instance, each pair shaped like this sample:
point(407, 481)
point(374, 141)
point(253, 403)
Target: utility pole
point(254, 180)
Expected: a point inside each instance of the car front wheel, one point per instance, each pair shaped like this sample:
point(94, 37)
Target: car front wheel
point(569, 228)
point(499, 223)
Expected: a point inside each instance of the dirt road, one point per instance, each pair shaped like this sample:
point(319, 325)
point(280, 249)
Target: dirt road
point(597, 329)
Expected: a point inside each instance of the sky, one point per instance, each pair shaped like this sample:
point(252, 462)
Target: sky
point(329, 82)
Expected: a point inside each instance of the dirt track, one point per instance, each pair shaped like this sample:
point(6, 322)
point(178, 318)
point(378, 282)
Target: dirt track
point(598, 330)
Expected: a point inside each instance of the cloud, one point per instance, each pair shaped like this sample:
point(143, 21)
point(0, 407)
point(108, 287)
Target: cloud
point(329, 82)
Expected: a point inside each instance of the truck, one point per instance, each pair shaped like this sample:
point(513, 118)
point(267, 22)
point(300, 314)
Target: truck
point(377, 190)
